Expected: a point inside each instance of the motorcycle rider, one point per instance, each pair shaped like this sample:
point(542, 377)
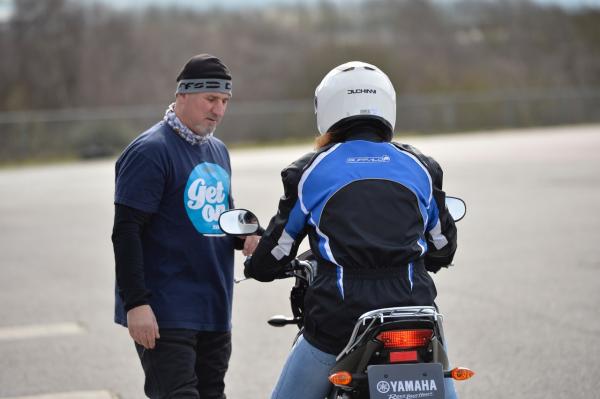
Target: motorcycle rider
point(375, 216)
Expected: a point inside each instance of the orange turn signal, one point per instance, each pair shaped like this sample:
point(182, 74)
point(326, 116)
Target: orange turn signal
point(340, 378)
point(461, 373)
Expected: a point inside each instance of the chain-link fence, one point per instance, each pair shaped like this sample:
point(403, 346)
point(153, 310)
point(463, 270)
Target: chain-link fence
point(87, 133)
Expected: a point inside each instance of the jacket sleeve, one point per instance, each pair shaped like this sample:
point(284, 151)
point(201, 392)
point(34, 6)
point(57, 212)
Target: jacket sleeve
point(129, 260)
point(441, 230)
point(286, 230)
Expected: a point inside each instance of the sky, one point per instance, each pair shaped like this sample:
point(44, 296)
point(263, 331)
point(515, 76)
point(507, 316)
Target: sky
point(258, 3)
point(6, 5)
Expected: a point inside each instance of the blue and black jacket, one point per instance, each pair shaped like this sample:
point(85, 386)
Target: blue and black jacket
point(375, 215)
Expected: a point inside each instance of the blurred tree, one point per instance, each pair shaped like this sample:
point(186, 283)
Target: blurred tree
point(63, 53)
point(43, 41)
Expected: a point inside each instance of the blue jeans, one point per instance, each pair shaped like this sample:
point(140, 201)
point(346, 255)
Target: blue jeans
point(305, 373)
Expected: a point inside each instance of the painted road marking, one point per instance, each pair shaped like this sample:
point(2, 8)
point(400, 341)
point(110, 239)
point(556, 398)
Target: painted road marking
point(70, 395)
point(38, 331)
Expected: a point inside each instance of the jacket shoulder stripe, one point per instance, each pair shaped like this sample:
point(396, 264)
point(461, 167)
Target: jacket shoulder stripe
point(308, 171)
point(284, 246)
point(418, 161)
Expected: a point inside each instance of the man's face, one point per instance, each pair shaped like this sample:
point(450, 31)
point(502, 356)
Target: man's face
point(201, 112)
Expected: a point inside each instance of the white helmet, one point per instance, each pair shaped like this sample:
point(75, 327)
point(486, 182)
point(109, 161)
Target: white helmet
point(354, 89)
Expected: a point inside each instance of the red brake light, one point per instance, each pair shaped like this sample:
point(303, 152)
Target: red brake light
point(403, 357)
point(405, 338)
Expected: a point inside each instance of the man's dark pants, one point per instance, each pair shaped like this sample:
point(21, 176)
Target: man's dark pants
point(186, 364)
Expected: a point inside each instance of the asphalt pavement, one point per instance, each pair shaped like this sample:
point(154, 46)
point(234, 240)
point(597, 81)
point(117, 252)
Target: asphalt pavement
point(521, 303)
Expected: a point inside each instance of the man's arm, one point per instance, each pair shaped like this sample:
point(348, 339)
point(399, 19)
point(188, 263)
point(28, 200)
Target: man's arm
point(129, 264)
point(250, 244)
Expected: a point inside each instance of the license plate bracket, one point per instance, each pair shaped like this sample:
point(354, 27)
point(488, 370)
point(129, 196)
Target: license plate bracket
point(406, 381)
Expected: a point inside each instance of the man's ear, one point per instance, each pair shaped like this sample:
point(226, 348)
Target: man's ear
point(181, 98)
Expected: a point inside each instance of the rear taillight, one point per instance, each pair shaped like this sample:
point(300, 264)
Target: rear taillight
point(403, 356)
point(404, 339)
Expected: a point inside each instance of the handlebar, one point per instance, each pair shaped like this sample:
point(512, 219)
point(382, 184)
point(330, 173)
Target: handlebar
point(302, 269)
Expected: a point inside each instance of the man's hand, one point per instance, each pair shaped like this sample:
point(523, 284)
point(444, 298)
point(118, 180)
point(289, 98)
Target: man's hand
point(142, 325)
point(250, 244)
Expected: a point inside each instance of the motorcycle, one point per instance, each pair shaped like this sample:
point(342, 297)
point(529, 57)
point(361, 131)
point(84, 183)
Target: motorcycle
point(393, 353)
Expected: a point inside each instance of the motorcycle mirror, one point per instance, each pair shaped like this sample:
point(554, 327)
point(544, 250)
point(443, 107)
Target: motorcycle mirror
point(239, 222)
point(456, 207)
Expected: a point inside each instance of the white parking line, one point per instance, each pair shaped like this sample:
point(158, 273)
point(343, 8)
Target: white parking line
point(70, 395)
point(37, 331)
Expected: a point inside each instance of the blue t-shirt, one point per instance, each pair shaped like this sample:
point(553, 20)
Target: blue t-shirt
point(188, 262)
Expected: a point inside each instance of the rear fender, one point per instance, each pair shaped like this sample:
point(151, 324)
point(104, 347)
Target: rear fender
point(356, 361)
point(439, 353)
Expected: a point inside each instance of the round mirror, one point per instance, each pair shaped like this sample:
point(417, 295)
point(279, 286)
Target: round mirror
point(456, 207)
point(238, 222)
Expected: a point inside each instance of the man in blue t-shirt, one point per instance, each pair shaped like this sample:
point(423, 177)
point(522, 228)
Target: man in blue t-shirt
point(174, 266)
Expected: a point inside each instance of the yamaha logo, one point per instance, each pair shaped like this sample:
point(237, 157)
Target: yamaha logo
point(383, 387)
point(407, 386)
